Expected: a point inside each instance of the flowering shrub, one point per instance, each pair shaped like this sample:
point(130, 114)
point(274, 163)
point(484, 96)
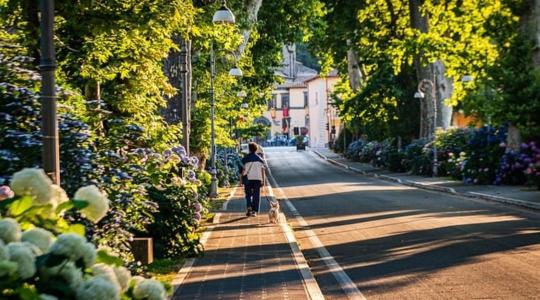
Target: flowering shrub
point(368, 153)
point(520, 167)
point(484, 152)
point(20, 123)
point(533, 168)
point(175, 189)
point(354, 149)
point(389, 156)
point(228, 166)
point(42, 257)
point(416, 157)
point(450, 146)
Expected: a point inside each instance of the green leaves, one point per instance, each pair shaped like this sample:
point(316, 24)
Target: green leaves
point(104, 257)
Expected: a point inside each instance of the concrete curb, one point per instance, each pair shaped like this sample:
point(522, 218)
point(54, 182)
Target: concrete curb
point(310, 283)
point(503, 200)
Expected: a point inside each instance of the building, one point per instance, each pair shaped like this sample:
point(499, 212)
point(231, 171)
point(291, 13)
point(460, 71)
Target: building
point(288, 108)
point(324, 123)
point(301, 104)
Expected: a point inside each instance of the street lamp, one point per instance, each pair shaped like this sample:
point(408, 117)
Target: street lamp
point(222, 16)
point(420, 95)
point(47, 67)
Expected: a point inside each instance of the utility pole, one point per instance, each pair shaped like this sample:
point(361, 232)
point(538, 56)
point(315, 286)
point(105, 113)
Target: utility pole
point(47, 67)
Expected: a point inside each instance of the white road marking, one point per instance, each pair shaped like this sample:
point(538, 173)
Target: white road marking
point(226, 204)
point(345, 282)
point(311, 285)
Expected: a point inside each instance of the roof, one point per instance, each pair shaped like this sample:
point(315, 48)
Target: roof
point(332, 74)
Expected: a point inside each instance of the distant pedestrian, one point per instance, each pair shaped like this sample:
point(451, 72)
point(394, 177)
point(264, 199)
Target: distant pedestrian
point(253, 179)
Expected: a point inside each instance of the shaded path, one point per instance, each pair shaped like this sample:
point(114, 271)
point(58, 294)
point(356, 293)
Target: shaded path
point(245, 258)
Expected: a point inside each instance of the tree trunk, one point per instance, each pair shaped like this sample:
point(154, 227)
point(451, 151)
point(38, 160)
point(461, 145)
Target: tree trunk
point(252, 9)
point(445, 88)
point(421, 22)
point(178, 69)
point(353, 67)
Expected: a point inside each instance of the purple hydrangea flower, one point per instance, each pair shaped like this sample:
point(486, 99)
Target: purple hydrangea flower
point(198, 207)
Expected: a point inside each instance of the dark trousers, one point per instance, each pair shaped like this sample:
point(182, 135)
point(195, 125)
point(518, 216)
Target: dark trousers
point(252, 189)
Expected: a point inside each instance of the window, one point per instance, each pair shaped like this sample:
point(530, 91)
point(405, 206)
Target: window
point(285, 100)
point(306, 99)
point(272, 102)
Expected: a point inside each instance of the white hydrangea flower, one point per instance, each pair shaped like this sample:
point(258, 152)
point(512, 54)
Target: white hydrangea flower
point(47, 297)
point(7, 267)
point(89, 254)
point(98, 288)
point(10, 231)
point(74, 247)
point(123, 276)
point(59, 195)
point(25, 258)
point(38, 236)
point(33, 182)
point(68, 271)
point(137, 279)
point(98, 204)
point(150, 289)
point(106, 272)
point(35, 249)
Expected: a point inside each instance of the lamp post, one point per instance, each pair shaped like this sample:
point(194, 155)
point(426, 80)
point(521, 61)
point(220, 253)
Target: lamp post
point(222, 16)
point(47, 67)
point(420, 95)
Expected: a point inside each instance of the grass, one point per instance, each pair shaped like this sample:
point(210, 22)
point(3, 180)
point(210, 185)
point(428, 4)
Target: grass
point(165, 269)
point(217, 203)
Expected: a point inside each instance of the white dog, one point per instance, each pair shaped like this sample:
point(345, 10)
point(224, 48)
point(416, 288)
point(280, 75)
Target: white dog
point(273, 214)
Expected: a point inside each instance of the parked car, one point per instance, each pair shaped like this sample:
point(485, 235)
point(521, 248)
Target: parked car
point(244, 148)
point(301, 142)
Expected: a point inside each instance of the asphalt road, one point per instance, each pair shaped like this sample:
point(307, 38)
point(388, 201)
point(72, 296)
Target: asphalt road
point(398, 242)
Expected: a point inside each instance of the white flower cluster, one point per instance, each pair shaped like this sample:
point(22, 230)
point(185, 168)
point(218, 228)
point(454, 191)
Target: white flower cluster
point(74, 247)
point(18, 251)
point(98, 204)
point(35, 183)
point(149, 289)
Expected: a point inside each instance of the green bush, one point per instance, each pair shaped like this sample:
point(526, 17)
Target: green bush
point(389, 156)
point(416, 157)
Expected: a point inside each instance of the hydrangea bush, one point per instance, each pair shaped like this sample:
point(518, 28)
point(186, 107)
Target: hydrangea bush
point(389, 156)
point(20, 122)
point(175, 190)
point(476, 156)
point(484, 152)
point(416, 157)
point(228, 166)
point(43, 257)
point(354, 149)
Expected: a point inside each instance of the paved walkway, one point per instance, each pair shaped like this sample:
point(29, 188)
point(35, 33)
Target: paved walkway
point(245, 258)
point(517, 195)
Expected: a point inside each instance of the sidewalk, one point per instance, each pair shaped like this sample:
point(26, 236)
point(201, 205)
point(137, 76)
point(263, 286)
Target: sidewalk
point(245, 258)
point(515, 195)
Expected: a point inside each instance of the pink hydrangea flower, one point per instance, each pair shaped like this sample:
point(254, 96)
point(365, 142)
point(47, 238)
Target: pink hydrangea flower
point(6, 192)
